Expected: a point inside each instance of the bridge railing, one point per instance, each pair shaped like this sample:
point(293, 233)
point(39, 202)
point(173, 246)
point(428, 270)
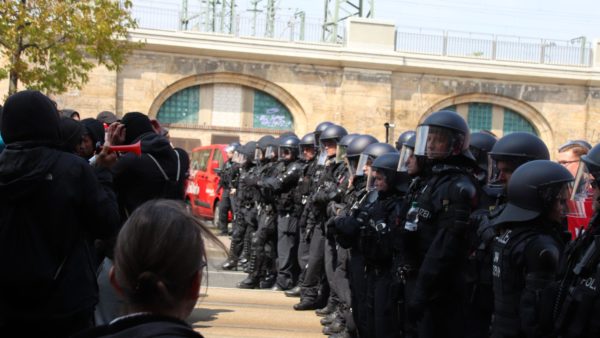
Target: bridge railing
point(576, 52)
point(284, 28)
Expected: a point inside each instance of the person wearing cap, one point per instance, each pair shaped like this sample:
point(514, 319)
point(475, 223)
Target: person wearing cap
point(107, 117)
point(570, 153)
point(70, 113)
point(51, 203)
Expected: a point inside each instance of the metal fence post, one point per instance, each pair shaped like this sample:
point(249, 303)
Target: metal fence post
point(543, 52)
point(236, 26)
point(291, 25)
point(494, 47)
point(445, 46)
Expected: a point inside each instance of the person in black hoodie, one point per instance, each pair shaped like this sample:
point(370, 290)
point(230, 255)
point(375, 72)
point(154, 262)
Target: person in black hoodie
point(160, 172)
point(51, 203)
point(160, 290)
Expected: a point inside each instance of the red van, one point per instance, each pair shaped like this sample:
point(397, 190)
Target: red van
point(201, 192)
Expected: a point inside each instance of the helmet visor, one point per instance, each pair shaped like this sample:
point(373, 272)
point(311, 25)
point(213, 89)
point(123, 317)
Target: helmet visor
point(307, 149)
point(405, 154)
point(258, 155)
point(351, 164)
point(284, 152)
point(270, 152)
point(433, 142)
point(364, 162)
point(322, 159)
point(340, 153)
point(584, 184)
point(370, 179)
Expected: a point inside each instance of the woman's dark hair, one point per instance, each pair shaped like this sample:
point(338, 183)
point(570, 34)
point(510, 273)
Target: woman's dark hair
point(159, 250)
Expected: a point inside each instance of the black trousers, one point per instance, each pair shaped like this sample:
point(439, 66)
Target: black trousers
point(287, 251)
point(358, 287)
point(225, 206)
point(315, 266)
point(245, 224)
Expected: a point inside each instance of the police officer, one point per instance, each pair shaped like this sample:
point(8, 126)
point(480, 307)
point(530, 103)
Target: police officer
point(307, 155)
point(227, 176)
point(506, 155)
point(480, 145)
point(288, 212)
point(262, 269)
point(527, 251)
point(577, 302)
point(444, 203)
point(328, 187)
point(350, 237)
point(245, 218)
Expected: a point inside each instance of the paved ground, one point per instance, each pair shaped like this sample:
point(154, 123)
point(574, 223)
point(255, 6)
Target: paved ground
point(225, 311)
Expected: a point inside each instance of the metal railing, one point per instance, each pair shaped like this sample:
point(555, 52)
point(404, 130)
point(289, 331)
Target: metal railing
point(576, 52)
point(283, 28)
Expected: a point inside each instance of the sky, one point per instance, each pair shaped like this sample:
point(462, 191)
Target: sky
point(549, 19)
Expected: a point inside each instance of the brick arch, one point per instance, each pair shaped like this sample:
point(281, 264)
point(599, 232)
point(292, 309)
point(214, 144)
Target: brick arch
point(300, 120)
point(524, 109)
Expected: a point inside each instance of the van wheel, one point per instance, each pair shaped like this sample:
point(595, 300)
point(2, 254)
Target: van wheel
point(216, 212)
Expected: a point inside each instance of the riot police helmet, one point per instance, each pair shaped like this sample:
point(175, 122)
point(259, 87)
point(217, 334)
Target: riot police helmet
point(287, 133)
point(403, 138)
point(443, 134)
point(358, 145)
point(588, 175)
point(333, 132)
point(320, 129)
point(510, 152)
point(534, 189)
point(372, 152)
point(481, 144)
point(385, 166)
point(231, 147)
point(289, 145)
point(245, 153)
point(307, 146)
point(342, 147)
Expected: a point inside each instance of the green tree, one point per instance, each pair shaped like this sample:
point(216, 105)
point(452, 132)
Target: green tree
point(52, 45)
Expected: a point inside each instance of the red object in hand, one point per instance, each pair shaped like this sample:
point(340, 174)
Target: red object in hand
point(135, 148)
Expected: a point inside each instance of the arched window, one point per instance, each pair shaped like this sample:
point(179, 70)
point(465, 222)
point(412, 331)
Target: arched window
point(181, 107)
point(225, 105)
point(497, 119)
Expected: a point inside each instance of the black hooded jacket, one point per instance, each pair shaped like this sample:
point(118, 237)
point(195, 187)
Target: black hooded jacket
point(142, 326)
point(139, 178)
point(51, 205)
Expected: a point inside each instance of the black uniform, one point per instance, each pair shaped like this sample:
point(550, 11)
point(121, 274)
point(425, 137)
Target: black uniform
point(226, 179)
point(440, 252)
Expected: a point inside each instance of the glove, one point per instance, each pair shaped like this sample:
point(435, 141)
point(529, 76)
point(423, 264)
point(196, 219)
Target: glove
point(363, 217)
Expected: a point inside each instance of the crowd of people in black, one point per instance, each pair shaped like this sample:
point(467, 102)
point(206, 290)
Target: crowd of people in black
point(447, 234)
point(64, 196)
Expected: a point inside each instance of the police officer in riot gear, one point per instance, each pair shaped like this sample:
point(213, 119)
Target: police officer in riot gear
point(403, 138)
point(307, 155)
point(577, 302)
point(288, 212)
point(480, 145)
point(506, 155)
point(527, 252)
point(245, 218)
point(435, 278)
point(262, 268)
point(329, 186)
point(349, 235)
point(227, 176)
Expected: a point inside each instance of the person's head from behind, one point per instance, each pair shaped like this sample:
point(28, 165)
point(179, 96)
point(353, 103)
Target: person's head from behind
point(159, 258)
point(30, 118)
point(570, 153)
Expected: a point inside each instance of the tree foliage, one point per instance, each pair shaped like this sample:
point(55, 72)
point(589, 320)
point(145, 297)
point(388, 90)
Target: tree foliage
point(52, 45)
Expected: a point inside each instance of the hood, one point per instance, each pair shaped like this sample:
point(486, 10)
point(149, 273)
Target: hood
point(153, 143)
point(22, 170)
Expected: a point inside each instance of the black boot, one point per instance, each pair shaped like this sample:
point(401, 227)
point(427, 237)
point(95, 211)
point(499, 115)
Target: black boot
point(330, 318)
point(293, 292)
point(231, 263)
point(267, 282)
point(306, 304)
point(328, 309)
point(336, 327)
point(250, 282)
